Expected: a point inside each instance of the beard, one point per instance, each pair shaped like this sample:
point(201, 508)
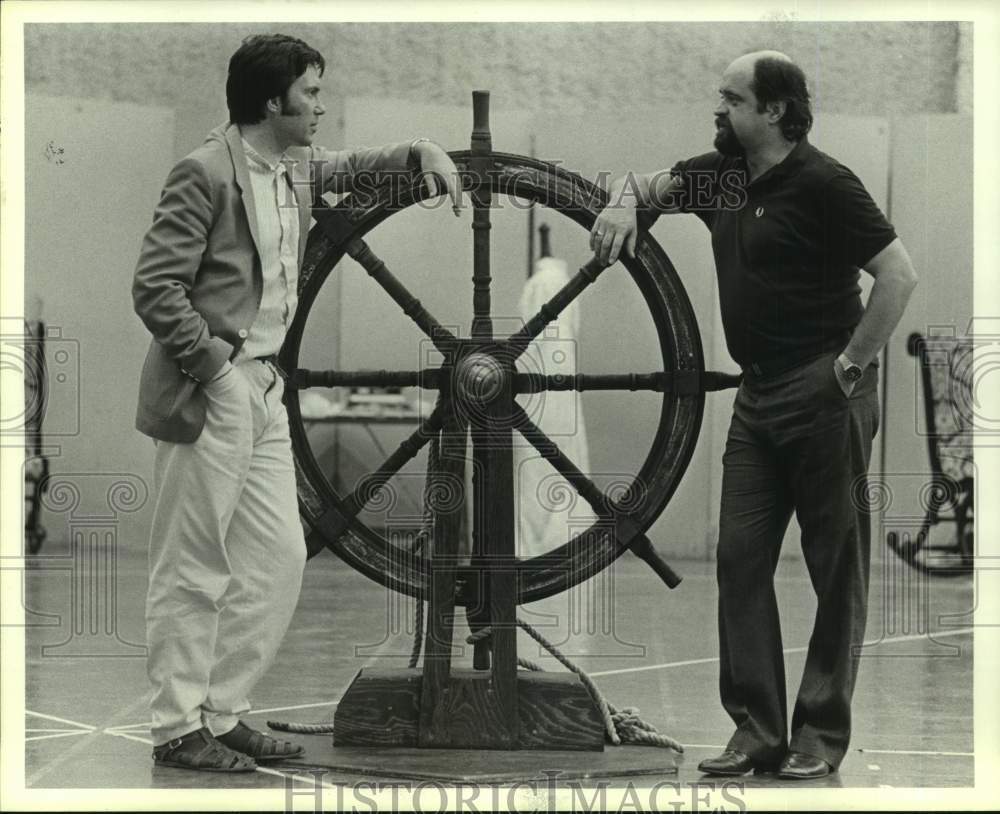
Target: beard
point(726, 141)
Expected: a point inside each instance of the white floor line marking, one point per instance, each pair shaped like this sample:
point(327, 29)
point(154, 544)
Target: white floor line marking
point(80, 744)
point(874, 767)
point(144, 725)
point(58, 735)
point(915, 752)
point(623, 670)
point(30, 729)
point(937, 634)
point(128, 736)
point(295, 706)
point(60, 720)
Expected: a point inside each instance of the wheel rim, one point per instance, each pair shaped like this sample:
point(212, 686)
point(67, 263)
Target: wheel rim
point(670, 451)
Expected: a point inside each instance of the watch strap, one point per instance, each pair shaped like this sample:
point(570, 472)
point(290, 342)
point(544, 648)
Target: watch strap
point(852, 370)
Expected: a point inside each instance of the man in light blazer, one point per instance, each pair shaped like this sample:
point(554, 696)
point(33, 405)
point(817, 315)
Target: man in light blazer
point(216, 287)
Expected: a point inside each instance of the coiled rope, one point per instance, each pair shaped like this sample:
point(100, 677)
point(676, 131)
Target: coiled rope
point(620, 726)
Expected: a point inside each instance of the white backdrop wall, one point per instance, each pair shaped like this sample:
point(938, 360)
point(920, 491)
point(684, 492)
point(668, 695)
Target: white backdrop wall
point(124, 101)
point(86, 217)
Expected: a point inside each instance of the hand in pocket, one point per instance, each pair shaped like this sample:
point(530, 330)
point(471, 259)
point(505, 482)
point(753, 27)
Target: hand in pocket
point(223, 379)
point(845, 384)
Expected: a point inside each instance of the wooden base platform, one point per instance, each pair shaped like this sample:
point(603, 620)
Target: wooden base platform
point(382, 708)
point(481, 766)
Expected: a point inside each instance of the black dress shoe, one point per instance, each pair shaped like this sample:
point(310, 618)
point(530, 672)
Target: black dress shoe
point(800, 766)
point(730, 764)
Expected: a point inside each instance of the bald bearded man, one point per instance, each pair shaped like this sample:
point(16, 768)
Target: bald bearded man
point(791, 228)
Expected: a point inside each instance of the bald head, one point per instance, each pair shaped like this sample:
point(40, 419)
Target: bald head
point(748, 61)
point(775, 79)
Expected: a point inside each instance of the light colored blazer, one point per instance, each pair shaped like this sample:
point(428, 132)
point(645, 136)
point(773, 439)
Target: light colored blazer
point(198, 282)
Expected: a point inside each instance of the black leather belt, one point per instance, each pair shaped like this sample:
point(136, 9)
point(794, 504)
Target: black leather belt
point(779, 364)
point(272, 360)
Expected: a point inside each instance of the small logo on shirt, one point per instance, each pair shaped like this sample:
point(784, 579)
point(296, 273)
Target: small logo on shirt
point(758, 211)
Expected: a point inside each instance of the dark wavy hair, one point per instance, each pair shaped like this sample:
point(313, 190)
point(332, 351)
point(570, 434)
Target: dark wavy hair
point(779, 80)
point(264, 67)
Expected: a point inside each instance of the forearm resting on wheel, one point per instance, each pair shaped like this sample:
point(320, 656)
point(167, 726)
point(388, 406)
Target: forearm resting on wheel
point(616, 228)
point(652, 189)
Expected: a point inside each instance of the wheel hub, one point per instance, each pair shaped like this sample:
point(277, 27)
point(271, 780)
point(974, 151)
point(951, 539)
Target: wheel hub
point(480, 378)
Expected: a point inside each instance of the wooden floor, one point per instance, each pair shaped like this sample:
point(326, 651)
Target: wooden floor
point(87, 718)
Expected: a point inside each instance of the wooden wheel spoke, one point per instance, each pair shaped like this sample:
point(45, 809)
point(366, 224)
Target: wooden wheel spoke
point(371, 483)
point(555, 306)
point(627, 533)
point(549, 450)
point(679, 382)
point(442, 338)
point(303, 378)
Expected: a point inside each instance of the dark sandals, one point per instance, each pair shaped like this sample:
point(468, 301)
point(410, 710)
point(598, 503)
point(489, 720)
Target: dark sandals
point(199, 750)
point(257, 745)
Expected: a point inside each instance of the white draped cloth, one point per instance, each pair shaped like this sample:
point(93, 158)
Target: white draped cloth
point(549, 511)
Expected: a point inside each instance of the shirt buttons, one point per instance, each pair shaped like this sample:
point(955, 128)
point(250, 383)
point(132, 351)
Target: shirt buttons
point(244, 333)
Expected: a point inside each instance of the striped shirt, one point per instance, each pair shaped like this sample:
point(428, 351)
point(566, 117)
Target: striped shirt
point(278, 237)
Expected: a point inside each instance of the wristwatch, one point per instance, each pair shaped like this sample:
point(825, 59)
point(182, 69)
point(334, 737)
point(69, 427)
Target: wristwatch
point(852, 372)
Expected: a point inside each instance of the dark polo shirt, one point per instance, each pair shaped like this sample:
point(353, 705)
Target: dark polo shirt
point(788, 247)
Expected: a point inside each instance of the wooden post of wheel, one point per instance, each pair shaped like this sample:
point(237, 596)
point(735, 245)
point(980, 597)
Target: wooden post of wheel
point(492, 706)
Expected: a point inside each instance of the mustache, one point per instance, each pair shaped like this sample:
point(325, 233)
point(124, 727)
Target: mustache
point(721, 122)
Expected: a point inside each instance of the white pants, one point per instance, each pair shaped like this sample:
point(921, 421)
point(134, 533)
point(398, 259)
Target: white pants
point(226, 556)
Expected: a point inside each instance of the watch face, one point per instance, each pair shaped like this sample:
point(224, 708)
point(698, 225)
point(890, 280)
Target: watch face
point(853, 373)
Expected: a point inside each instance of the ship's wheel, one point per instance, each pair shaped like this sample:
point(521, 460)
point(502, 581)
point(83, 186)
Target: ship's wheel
point(478, 382)
point(476, 387)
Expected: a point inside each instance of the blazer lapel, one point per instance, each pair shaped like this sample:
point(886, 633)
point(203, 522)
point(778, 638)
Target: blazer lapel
point(235, 142)
point(304, 199)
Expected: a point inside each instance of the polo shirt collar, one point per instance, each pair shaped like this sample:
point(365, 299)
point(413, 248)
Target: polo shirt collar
point(789, 165)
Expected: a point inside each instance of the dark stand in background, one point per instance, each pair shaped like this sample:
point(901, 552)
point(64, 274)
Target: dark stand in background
point(36, 465)
point(946, 381)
